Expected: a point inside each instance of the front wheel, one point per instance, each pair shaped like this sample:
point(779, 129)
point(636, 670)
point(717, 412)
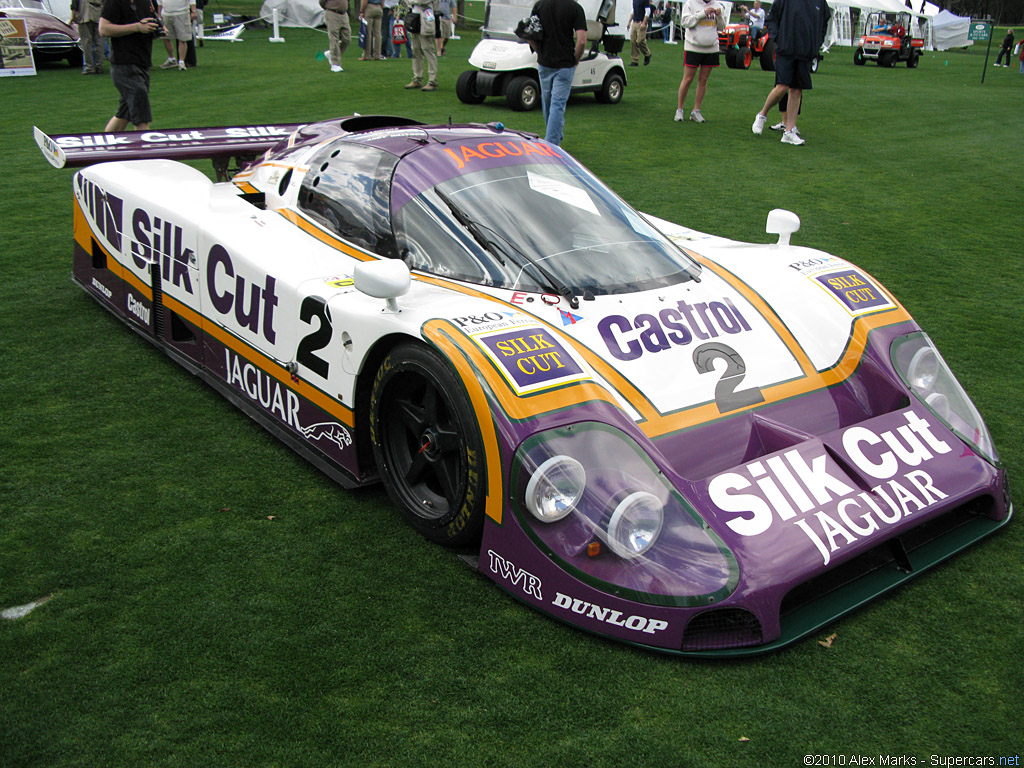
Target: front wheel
point(858, 57)
point(743, 57)
point(912, 61)
point(523, 94)
point(814, 64)
point(768, 56)
point(611, 89)
point(427, 445)
point(465, 88)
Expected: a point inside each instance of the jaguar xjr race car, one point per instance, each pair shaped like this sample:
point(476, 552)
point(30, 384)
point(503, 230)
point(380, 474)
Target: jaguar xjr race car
point(679, 441)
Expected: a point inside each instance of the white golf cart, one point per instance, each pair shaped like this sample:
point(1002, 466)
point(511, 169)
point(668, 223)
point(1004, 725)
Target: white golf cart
point(506, 66)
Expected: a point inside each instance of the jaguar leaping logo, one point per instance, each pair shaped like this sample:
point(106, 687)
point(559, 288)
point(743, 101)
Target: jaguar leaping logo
point(329, 430)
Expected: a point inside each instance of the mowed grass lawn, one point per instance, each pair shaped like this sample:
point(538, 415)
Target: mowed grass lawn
point(215, 601)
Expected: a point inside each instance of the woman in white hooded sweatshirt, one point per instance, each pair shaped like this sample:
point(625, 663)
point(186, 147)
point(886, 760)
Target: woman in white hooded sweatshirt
point(702, 20)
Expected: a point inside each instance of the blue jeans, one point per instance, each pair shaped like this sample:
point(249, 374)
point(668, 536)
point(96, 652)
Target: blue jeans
point(555, 85)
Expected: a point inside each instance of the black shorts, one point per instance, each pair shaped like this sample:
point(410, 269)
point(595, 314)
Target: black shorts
point(132, 82)
point(691, 59)
point(796, 73)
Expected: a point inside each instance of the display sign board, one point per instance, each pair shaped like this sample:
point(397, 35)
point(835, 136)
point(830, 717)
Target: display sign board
point(15, 49)
point(979, 30)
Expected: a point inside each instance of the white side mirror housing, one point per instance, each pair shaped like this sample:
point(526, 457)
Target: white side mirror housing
point(782, 223)
point(383, 279)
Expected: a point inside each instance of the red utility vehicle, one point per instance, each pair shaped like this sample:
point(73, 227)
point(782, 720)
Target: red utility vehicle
point(888, 41)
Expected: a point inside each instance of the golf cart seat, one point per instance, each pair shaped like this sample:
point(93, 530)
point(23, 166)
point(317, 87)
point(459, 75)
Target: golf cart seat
point(597, 31)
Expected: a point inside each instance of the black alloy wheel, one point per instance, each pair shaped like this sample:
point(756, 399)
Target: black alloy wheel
point(427, 445)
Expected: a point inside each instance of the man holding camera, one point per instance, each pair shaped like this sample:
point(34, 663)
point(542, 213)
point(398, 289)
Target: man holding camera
point(131, 26)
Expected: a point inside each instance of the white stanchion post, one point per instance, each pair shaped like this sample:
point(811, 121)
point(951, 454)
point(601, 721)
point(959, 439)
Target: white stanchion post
point(277, 33)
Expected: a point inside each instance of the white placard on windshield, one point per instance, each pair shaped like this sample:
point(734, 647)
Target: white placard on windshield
point(560, 190)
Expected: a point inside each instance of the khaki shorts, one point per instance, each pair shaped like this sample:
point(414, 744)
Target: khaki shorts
point(178, 26)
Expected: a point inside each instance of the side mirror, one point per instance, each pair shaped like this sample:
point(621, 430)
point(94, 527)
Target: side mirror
point(782, 223)
point(383, 279)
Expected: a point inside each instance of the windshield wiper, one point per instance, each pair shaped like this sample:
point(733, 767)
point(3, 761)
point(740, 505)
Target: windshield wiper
point(503, 246)
point(471, 226)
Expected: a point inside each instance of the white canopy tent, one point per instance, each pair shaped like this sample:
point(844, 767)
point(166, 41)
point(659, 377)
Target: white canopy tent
point(950, 31)
point(294, 13)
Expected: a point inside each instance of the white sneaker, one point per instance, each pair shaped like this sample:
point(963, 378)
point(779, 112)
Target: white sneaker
point(181, 65)
point(792, 137)
point(169, 64)
point(997, 64)
point(758, 125)
point(697, 117)
point(782, 127)
point(336, 68)
point(680, 115)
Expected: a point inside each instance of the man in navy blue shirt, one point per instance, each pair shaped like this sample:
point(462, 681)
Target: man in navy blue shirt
point(565, 37)
point(798, 28)
point(642, 12)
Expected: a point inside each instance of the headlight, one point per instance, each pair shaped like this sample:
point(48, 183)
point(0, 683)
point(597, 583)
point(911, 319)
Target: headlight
point(555, 488)
point(595, 503)
point(635, 524)
point(924, 371)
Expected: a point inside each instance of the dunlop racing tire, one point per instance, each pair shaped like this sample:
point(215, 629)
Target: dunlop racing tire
point(427, 445)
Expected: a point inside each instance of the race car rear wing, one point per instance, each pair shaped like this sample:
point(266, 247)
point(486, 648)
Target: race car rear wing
point(74, 150)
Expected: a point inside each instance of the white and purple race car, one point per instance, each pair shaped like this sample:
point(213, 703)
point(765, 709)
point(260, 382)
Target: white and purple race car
point(679, 441)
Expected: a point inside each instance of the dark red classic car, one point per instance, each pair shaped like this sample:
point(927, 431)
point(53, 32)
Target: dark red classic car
point(51, 38)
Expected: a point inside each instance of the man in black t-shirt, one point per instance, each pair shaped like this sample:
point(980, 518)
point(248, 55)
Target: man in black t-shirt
point(565, 36)
point(130, 25)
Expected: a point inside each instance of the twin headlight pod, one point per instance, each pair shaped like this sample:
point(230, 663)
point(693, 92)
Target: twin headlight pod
point(930, 379)
point(632, 525)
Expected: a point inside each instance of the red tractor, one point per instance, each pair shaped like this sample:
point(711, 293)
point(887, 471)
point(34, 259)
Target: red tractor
point(735, 42)
point(888, 41)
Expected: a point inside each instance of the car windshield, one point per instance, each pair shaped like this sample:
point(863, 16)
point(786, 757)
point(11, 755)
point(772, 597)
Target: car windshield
point(547, 226)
